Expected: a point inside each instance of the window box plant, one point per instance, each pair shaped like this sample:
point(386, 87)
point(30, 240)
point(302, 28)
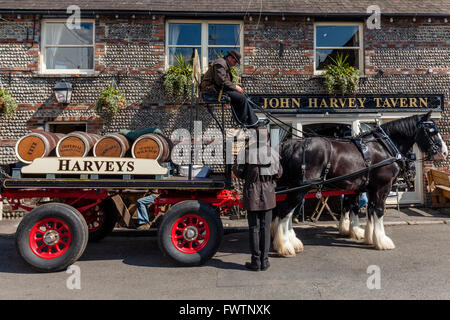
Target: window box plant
point(340, 76)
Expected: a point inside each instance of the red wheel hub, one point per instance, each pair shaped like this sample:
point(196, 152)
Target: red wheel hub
point(190, 233)
point(50, 238)
point(95, 218)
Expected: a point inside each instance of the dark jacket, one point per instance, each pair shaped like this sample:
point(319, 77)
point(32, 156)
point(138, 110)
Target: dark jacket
point(218, 77)
point(259, 190)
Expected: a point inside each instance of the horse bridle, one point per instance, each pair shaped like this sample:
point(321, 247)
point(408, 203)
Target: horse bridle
point(430, 130)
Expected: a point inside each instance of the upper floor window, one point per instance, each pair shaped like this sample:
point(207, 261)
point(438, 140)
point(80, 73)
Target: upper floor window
point(67, 50)
point(212, 39)
point(333, 38)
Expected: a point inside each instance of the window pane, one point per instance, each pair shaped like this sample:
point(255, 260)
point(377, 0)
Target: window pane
point(215, 53)
point(69, 58)
point(337, 36)
point(187, 53)
point(185, 34)
point(323, 57)
point(223, 34)
point(60, 34)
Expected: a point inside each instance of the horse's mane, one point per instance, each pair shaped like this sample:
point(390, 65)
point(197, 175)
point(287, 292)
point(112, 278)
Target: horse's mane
point(405, 127)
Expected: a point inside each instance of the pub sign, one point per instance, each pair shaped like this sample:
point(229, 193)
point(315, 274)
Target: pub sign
point(291, 103)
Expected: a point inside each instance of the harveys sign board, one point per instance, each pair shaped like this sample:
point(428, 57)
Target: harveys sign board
point(94, 165)
point(289, 103)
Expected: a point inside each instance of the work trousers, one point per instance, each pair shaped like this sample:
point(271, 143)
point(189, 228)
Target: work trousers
point(242, 110)
point(142, 204)
point(259, 232)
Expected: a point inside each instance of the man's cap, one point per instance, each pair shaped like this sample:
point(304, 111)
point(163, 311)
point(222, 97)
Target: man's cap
point(235, 54)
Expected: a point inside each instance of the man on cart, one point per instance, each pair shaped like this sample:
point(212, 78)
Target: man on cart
point(219, 80)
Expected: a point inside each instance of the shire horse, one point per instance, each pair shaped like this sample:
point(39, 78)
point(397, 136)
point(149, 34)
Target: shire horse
point(341, 157)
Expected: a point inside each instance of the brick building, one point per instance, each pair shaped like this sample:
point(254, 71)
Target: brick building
point(285, 46)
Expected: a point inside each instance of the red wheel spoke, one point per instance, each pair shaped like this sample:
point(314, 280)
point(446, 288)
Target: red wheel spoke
point(190, 233)
point(61, 234)
point(42, 246)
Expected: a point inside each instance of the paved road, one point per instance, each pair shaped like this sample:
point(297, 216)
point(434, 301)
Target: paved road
point(331, 267)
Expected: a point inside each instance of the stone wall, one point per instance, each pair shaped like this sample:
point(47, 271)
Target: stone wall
point(414, 58)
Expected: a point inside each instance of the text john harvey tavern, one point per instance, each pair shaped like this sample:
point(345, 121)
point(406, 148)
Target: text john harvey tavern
point(344, 102)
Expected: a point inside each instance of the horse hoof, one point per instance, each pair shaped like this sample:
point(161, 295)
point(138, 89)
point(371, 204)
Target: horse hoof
point(357, 233)
point(298, 248)
point(344, 227)
point(385, 243)
point(287, 253)
point(297, 244)
point(344, 232)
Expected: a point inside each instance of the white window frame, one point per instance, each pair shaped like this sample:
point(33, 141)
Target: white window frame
point(43, 67)
point(204, 41)
point(360, 48)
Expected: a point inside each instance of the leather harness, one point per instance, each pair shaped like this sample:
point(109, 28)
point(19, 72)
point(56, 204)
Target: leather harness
point(406, 163)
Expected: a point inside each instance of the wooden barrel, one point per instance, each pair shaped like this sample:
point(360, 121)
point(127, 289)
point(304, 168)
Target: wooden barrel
point(111, 145)
point(76, 144)
point(36, 145)
point(152, 146)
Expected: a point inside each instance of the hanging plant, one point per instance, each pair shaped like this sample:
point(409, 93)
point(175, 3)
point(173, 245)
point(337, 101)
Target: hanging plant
point(110, 100)
point(178, 79)
point(340, 76)
point(8, 104)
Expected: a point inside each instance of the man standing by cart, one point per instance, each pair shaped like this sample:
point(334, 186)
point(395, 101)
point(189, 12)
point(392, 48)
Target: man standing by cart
point(259, 197)
point(219, 80)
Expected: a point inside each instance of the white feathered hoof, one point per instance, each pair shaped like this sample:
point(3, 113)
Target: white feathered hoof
point(368, 240)
point(357, 233)
point(282, 245)
point(344, 225)
point(296, 243)
point(380, 239)
point(286, 250)
point(383, 242)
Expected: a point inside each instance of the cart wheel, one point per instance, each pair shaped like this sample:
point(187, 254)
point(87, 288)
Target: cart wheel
point(52, 237)
point(190, 233)
point(101, 220)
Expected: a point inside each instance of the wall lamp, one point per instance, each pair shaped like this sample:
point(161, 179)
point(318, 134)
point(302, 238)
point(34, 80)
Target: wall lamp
point(63, 92)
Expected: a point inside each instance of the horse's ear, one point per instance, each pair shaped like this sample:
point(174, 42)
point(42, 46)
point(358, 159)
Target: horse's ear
point(427, 116)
